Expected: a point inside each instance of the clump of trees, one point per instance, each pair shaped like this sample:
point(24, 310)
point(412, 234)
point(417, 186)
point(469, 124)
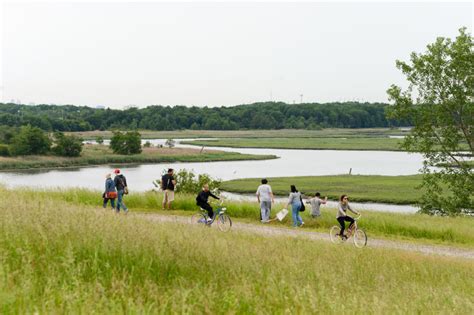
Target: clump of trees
point(440, 102)
point(69, 146)
point(126, 143)
point(29, 140)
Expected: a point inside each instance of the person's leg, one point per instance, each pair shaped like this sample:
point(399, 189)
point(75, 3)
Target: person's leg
point(170, 198)
point(105, 202)
point(165, 199)
point(300, 220)
point(349, 219)
point(294, 214)
point(342, 224)
point(263, 211)
point(112, 203)
point(208, 208)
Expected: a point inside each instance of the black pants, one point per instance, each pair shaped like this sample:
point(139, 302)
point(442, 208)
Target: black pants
point(342, 224)
point(208, 208)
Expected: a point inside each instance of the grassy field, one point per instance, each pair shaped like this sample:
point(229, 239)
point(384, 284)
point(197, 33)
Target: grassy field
point(374, 188)
point(329, 143)
point(286, 133)
point(411, 227)
point(58, 257)
point(101, 154)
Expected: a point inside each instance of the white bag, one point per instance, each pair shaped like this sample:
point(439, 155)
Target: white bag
point(282, 214)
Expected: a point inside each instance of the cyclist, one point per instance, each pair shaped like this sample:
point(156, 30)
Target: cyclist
point(342, 216)
point(202, 198)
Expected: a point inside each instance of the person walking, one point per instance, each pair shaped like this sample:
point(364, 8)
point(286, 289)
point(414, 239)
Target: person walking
point(316, 203)
point(202, 201)
point(110, 192)
point(167, 185)
point(265, 199)
point(295, 201)
point(122, 189)
point(342, 215)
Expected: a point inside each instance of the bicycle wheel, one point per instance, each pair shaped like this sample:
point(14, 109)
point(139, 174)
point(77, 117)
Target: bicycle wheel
point(360, 238)
point(224, 223)
point(198, 218)
point(334, 234)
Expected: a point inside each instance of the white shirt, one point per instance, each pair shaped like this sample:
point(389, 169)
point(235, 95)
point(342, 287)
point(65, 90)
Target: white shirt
point(264, 192)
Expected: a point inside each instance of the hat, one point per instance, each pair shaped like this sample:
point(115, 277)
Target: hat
point(108, 176)
point(117, 171)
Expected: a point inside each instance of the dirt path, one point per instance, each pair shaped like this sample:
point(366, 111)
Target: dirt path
point(266, 230)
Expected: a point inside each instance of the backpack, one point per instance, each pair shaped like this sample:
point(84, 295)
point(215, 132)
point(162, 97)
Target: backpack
point(302, 205)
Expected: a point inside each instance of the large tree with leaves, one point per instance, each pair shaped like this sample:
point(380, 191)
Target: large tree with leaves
point(439, 101)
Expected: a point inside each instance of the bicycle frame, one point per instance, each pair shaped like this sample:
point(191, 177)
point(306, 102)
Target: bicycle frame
point(352, 228)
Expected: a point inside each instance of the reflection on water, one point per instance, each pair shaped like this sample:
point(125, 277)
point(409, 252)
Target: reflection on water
point(289, 163)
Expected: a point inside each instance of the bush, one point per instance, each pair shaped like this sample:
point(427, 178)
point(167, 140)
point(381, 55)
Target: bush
point(186, 181)
point(147, 144)
point(4, 150)
point(126, 143)
point(99, 140)
point(70, 146)
point(30, 140)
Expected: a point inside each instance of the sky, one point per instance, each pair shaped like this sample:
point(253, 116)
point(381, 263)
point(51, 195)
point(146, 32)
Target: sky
point(118, 54)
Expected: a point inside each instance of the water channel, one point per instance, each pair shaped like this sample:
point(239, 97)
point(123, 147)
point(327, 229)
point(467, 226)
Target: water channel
point(289, 163)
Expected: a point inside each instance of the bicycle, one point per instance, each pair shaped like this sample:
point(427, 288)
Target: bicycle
point(360, 237)
point(224, 223)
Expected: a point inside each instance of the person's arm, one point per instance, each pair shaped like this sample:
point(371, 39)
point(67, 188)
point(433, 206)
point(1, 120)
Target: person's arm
point(214, 196)
point(353, 211)
point(323, 201)
point(125, 181)
point(290, 200)
point(173, 180)
point(258, 194)
point(271, 194)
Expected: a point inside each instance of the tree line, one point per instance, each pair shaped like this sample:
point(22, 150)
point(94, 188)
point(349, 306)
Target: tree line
point(268, 115)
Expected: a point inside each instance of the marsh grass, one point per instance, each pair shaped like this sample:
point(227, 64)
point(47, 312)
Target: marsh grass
point(413, 227)
point(374, 188)
point(101, 154)
point(58, 257)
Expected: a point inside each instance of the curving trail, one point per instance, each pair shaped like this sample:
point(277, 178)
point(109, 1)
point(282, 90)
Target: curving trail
point(266, 230)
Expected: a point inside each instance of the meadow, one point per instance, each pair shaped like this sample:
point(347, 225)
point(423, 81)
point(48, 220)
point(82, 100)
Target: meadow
point(60, 257)
point(419, 228)
point(361, 188)
point(328, 143)
point(102, 154)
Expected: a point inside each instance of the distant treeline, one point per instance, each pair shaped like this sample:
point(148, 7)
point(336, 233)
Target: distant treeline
point(270, 115)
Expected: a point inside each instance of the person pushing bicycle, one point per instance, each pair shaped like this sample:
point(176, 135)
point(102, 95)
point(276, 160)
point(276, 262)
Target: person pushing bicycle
point(202, 201)
point(342, 216)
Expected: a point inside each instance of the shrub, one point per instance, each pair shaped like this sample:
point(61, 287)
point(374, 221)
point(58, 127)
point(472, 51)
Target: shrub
point(4, 150)
point(70, 146)
point(126, 143)
point(30, 140)
point(187, 181)
point(99, 140)
point(147, 144)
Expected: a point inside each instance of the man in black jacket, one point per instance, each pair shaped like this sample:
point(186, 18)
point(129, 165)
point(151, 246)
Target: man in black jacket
point(121, 185)
point(202, 198)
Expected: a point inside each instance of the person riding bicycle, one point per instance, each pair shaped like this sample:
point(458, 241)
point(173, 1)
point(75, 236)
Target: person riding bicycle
point(202, 201)
point(342, 216)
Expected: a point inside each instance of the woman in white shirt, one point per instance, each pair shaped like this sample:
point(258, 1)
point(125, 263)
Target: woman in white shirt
point(342, 216)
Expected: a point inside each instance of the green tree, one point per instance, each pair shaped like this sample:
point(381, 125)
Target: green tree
point(99, 140)
point(30, 140)
point(442, 110)
point(126, 143)
point(70, 146)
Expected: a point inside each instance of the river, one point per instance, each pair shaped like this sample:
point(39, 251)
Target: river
point(289, 163)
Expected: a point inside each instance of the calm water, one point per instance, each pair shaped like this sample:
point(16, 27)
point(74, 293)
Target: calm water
point(289, 163)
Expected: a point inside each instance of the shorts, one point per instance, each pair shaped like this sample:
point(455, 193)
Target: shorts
point(168, 195)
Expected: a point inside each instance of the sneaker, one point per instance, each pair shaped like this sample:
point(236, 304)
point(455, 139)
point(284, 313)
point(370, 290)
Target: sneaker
point(302, 223)
point(209, 220)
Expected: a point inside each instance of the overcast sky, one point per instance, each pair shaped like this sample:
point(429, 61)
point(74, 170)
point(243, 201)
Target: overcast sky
point(118, 54)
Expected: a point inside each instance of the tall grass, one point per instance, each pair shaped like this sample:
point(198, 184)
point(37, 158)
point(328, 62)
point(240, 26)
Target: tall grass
point(376, 188)
point(416, 227)
point(57, 257)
